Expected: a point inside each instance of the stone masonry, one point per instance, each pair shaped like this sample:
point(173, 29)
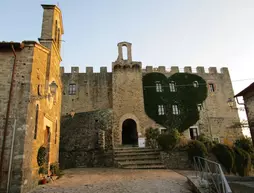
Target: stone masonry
point(34, 116)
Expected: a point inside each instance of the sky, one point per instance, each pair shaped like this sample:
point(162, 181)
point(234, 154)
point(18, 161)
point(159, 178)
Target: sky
point(167, 33)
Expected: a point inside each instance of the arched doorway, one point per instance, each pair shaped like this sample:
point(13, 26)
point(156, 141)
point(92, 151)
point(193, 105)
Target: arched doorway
point(129, 132)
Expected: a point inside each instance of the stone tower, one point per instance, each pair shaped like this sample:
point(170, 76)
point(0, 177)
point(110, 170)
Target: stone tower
point(129, 118)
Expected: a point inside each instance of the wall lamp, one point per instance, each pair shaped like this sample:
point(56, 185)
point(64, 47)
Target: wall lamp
point(52, 87)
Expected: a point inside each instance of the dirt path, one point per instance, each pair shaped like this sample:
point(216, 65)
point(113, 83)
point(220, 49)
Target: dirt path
point(113, 180)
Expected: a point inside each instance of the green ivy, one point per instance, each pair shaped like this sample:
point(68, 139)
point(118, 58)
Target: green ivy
point(41, 156)
point(186, 97)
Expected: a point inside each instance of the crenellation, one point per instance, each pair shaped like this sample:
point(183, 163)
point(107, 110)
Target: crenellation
point(89, 70)
point(162, 69)
point(212, 70)
point(174, 69)
point(187, 69)
point(149, 69)
point(224, 70)
point(200, 70)
point(61, 70)
point(74, 69)
point(103, 69)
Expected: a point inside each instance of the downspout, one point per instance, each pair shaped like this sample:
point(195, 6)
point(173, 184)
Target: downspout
point(8, 112)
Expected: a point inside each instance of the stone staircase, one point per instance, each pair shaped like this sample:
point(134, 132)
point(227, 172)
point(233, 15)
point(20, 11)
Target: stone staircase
point(137, 158)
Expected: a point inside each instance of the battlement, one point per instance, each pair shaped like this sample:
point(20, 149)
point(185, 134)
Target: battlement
point(89, 70)
point(161, 69)
point(187, 69)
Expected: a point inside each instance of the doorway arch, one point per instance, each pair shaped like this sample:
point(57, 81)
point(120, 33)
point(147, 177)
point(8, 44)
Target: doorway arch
point(129, 132)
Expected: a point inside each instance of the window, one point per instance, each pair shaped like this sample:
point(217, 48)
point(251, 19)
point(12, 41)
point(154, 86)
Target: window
point(56, 132)
point(195, 84)
point(211, 87)
point(36, 121)
point(172, 87)
point(216, 139)
point(161, 110)
point(175, 110)
point(193, 133)
point(56, 31)
point(200, 107)
point(162, 130)
point(72, 89)
point(158, 86)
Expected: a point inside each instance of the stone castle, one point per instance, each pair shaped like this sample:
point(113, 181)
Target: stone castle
point(93, 111)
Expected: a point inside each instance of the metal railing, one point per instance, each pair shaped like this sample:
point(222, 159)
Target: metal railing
point(211, 175)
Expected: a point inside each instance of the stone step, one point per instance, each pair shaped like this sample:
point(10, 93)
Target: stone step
point(137, 157)
point(120, 154)
point(138, 150)
point(144, 167)
point(139, 162)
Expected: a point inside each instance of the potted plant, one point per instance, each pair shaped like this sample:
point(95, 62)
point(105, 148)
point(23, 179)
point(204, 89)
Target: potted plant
point(43, 173)
point(54, 170)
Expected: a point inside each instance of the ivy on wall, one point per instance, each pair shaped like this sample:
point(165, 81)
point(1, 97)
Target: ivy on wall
point(186, 97)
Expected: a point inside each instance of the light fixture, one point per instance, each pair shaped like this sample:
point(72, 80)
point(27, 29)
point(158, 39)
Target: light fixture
point(53, 86)
point(230, 102)
point(72, 113)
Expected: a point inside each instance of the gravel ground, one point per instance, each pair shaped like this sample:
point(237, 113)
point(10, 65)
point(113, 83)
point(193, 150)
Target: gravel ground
point(113, 180)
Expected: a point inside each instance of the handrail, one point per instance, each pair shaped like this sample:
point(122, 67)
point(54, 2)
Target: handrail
point(212, 173)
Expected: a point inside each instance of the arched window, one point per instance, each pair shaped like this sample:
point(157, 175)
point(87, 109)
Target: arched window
point(125, 52)
point(36, 121)
point(195, 84)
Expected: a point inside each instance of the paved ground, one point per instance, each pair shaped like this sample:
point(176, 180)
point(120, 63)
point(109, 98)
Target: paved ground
point(113, 180)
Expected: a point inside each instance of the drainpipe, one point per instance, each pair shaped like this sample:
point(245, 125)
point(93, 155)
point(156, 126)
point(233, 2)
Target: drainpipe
point(8, 112)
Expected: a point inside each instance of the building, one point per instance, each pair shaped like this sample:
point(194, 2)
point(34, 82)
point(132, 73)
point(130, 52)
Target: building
point(110, 107)
point(30, 103)
point(248, 97)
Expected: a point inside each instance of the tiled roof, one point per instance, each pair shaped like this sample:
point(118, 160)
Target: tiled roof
point(246, 90)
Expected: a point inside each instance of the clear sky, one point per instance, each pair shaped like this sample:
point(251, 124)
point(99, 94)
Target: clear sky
point(162, 32)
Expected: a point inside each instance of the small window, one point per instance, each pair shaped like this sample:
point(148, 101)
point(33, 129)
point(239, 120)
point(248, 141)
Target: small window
point(172, 87)
point(195, 84)
point(200, 107)
point(193, 133)
point(158, 87)
point(216, 139)
point(175, 110)
point(36, 121)
point(211, 87)
point(72, 89)
point(161, 110)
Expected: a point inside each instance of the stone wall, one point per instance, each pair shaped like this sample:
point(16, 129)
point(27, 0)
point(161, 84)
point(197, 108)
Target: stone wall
point(176, 160)
point(93, 90)
point(249, 106)
point(80, 140)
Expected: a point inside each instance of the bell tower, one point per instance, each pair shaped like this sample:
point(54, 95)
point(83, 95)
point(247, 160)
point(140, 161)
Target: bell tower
point(128, 105)
point(52, 27)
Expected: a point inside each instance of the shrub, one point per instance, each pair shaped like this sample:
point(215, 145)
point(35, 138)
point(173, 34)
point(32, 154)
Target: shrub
point(54, 169)
point(244, 143)
point(225, 156)
point(169, 141)
point(183, 143)
point(42, 170)
point(206, 141)
point(242, 162)
point(41, 156)
point(152, 137)
point(196, 148)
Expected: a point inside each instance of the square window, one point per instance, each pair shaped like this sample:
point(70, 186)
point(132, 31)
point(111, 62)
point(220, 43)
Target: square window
point(161, 110)
point(211, 87)
point(172, 87)
point(72, 89)
point(200, 107)
point(175, 110)
point(158, 86)
point(193, 133)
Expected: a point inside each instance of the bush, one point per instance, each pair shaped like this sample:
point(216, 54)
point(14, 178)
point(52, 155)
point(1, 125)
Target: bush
point(206, 141)
point(169, 141)
point(196, 148)
point(242, 162)
point(225, 156)
point(41, 156)
point(244, 143)
point(152, 137)
point(54, 169)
